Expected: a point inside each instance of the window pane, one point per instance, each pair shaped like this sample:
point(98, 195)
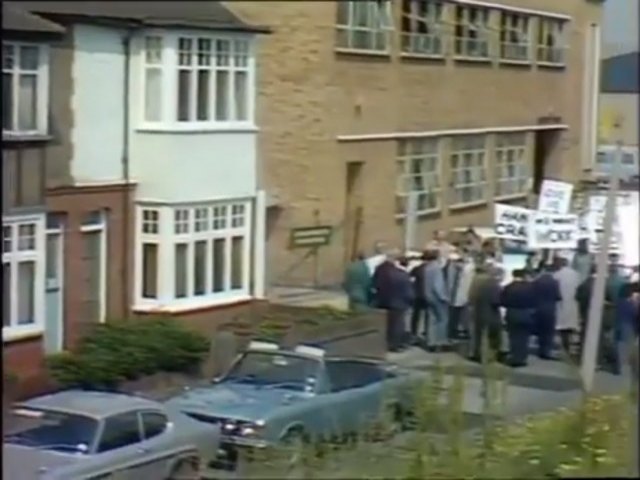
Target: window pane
point(7, 102)
point(93, 275)
point(26, 237)
point(120, 431)
point(153, 94)
point(184, 95)
point(237, 255)
point(29, 58)
point(203, 95)
point(6, 294)
point(27, 101)
point(149, 270)
point(181, 270)
point(240, 93)
point(199, 268)
point(26, 292)
point(52, 258)
point(218, 264)
point(154, 423)
point(222, 95)
point(7, 232)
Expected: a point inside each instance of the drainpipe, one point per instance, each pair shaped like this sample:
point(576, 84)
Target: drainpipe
point(126, 175)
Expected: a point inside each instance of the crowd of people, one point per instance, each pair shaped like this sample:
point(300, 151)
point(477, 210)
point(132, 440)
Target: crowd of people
point(455, 293)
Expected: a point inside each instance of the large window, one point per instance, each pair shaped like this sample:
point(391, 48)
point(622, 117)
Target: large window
point(24, 88)
point(194, 254)
point(422, 32)
point(512, 168)
point(514, 36)
point(419, 172)
point(468, 169)
point(551, 41)
point(197, 81)
point(364, 25)
point(22, 276)
point(472, 32)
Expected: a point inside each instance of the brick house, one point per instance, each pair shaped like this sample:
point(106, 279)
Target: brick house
point(465, 102)
point(129, 167)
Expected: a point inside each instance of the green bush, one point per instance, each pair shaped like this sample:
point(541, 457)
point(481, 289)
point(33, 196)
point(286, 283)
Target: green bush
point(119, 351)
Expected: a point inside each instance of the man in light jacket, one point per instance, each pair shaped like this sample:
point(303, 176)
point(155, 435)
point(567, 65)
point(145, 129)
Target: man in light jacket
point(460, 270)
point(567, 316)
point(437, 298)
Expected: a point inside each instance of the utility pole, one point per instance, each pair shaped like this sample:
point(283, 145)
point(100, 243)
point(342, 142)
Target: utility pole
point(410, 221)
point(596, 306)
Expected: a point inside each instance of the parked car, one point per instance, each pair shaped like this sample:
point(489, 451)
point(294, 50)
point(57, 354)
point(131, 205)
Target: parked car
point(272, 396)
point(83, 435)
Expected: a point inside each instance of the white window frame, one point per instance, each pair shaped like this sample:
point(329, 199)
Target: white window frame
point(101, 227)
point(428, 15)
point(412, 152)
point(465, 45)
point(169, 66)
point(166, 240)
point(478, 170)
point(555, 29)
point(42, 88)
point(14, 257)
point(379, 23)
point(515, 37)
point(512, 145)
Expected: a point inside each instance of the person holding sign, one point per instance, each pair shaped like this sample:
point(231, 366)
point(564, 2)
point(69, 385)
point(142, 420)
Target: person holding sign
point(519, 300)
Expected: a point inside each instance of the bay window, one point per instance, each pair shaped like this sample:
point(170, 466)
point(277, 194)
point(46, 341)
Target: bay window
point(193, 255)
point(197, 81)
point(23, 256)
point(25, 84)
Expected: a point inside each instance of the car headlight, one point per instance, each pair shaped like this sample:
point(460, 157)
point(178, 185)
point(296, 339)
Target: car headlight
point(243, 429)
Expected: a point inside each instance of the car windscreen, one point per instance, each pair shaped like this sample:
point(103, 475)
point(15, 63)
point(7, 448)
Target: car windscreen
point(50, 430)
point(275, 369)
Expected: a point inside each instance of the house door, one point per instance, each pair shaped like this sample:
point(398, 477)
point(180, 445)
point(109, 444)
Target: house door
point(54, 286)
point(353, 210)
point(94, 266)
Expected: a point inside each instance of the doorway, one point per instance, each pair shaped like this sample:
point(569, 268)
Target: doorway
point(546, 142)
point(353, 210)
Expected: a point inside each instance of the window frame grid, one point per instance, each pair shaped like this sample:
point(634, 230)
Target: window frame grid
point(42, 88)
point(457, 187)
point(407, 155)
point(522, 28)
point(501, 150)
point(350, 29)
point(557, 29)
point(483, 33)
point(169, 85)
point(434, 21)
point(14, 331)
point(167, 240)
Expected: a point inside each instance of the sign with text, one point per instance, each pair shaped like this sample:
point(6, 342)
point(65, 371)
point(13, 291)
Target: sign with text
point(511, 223)
point(555, 197)
point(553, 231)
point(595, 223)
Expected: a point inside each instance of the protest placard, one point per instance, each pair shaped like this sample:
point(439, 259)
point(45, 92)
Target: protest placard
point(555, 197)
point(553, 231)
point(595, 223)
point(511, 223)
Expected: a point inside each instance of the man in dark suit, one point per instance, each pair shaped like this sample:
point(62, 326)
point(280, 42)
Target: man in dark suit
point(484, 303)
point(519, 300)
point(547, 292)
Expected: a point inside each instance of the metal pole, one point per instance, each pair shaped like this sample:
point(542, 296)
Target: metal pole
point(596, 306)
point(410, 220)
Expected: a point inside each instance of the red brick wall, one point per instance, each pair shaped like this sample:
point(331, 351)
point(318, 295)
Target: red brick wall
point(25, 360)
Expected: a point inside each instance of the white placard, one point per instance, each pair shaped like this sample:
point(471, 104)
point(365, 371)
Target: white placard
point(511, 223)
point(553, 231)
point(595, 223)
point(555, 197)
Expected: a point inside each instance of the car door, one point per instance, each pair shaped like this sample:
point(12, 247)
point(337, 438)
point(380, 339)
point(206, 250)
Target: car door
point(157, 443)
point(120, 451)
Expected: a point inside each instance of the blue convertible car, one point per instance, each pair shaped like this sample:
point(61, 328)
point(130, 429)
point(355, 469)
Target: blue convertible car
point(271, 395)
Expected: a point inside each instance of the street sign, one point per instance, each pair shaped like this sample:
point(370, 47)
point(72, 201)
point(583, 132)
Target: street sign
point(308, 237)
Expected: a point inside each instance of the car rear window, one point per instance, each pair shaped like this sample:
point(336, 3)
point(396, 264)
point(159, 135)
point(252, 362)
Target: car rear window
point(153, 424)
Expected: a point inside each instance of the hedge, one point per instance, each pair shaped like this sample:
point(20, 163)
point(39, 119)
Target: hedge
point(120, 351)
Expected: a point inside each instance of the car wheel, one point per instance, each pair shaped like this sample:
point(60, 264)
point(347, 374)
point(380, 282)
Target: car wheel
point(294, 442)
point(186, 469)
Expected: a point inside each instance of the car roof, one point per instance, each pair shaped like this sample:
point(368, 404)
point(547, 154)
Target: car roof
point(90, 403)
point(328, 357)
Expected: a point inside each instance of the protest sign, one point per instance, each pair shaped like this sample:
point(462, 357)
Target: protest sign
point(595, 223)
point(555, 197)
point(511, 223)
point(553, 231)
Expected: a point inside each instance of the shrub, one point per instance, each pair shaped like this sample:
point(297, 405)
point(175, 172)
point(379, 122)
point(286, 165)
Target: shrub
point(119, 351)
